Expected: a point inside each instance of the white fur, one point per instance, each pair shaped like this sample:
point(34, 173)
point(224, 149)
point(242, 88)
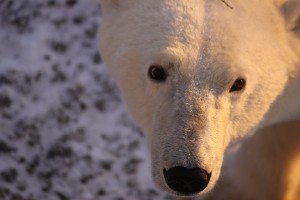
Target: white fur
point(191, 119)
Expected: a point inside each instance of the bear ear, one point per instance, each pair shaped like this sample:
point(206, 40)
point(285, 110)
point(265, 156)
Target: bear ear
point(291, 12)
point(109, 4)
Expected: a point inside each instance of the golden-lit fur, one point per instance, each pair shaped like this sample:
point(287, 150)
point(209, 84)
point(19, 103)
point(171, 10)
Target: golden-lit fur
point(266, 166)
point(191, 118)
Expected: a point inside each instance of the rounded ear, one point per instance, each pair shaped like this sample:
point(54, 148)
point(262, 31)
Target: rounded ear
point(291, 12)
point(109, 4)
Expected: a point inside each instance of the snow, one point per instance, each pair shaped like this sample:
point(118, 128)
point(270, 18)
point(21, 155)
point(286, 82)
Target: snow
point(65, 133)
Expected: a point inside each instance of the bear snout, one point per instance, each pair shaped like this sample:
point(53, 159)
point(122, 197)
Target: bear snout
point(187, 181)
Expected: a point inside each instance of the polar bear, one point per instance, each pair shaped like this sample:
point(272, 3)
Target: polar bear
point(200, 75)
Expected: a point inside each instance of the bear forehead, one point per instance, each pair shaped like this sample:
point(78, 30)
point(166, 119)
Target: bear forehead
point(180, 16)
point(193, 33)
point(190, 24)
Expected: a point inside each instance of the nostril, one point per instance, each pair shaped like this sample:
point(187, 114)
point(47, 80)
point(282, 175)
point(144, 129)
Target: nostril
point(187, 180)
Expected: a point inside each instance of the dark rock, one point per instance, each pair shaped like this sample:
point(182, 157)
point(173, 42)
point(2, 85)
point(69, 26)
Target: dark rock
point(47, 57)
point(71, 3)
point(85, 179)
point(91, 32)
point(61, 196)
point(22, 160)
point(62, 117)
point(47, 175)
point(100, 105)
point(59, 151)
point(5, 148)
point(51, 3)
point(5, 101)
point(58, 23)
point(4, 80)
point(17, 14)
point(58, 46)
point(22, 186)
point(78, 20)
point(32, 166)
point(28, 130)
point(134, 145)
point(106, 165)
point(101, 192)
point(9, 175)
point(131, 166)
point(4, 192)
point(96, 58)
point(152, 192)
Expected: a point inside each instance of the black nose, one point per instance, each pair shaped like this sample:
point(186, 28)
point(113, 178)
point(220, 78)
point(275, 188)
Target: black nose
point(187, 180)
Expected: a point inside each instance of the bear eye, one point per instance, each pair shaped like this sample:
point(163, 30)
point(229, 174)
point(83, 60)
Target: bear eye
point(238, 85)
point(157, 73)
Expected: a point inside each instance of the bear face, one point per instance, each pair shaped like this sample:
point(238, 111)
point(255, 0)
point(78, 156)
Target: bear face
point(197, 75)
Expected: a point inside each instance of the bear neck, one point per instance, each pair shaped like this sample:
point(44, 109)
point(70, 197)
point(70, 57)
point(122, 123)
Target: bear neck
point(287, 105)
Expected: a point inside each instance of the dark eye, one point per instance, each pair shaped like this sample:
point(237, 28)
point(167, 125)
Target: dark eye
point(157, 73)
point(238, 85)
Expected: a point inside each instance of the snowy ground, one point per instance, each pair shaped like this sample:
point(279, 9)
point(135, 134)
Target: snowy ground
point(64, 130)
